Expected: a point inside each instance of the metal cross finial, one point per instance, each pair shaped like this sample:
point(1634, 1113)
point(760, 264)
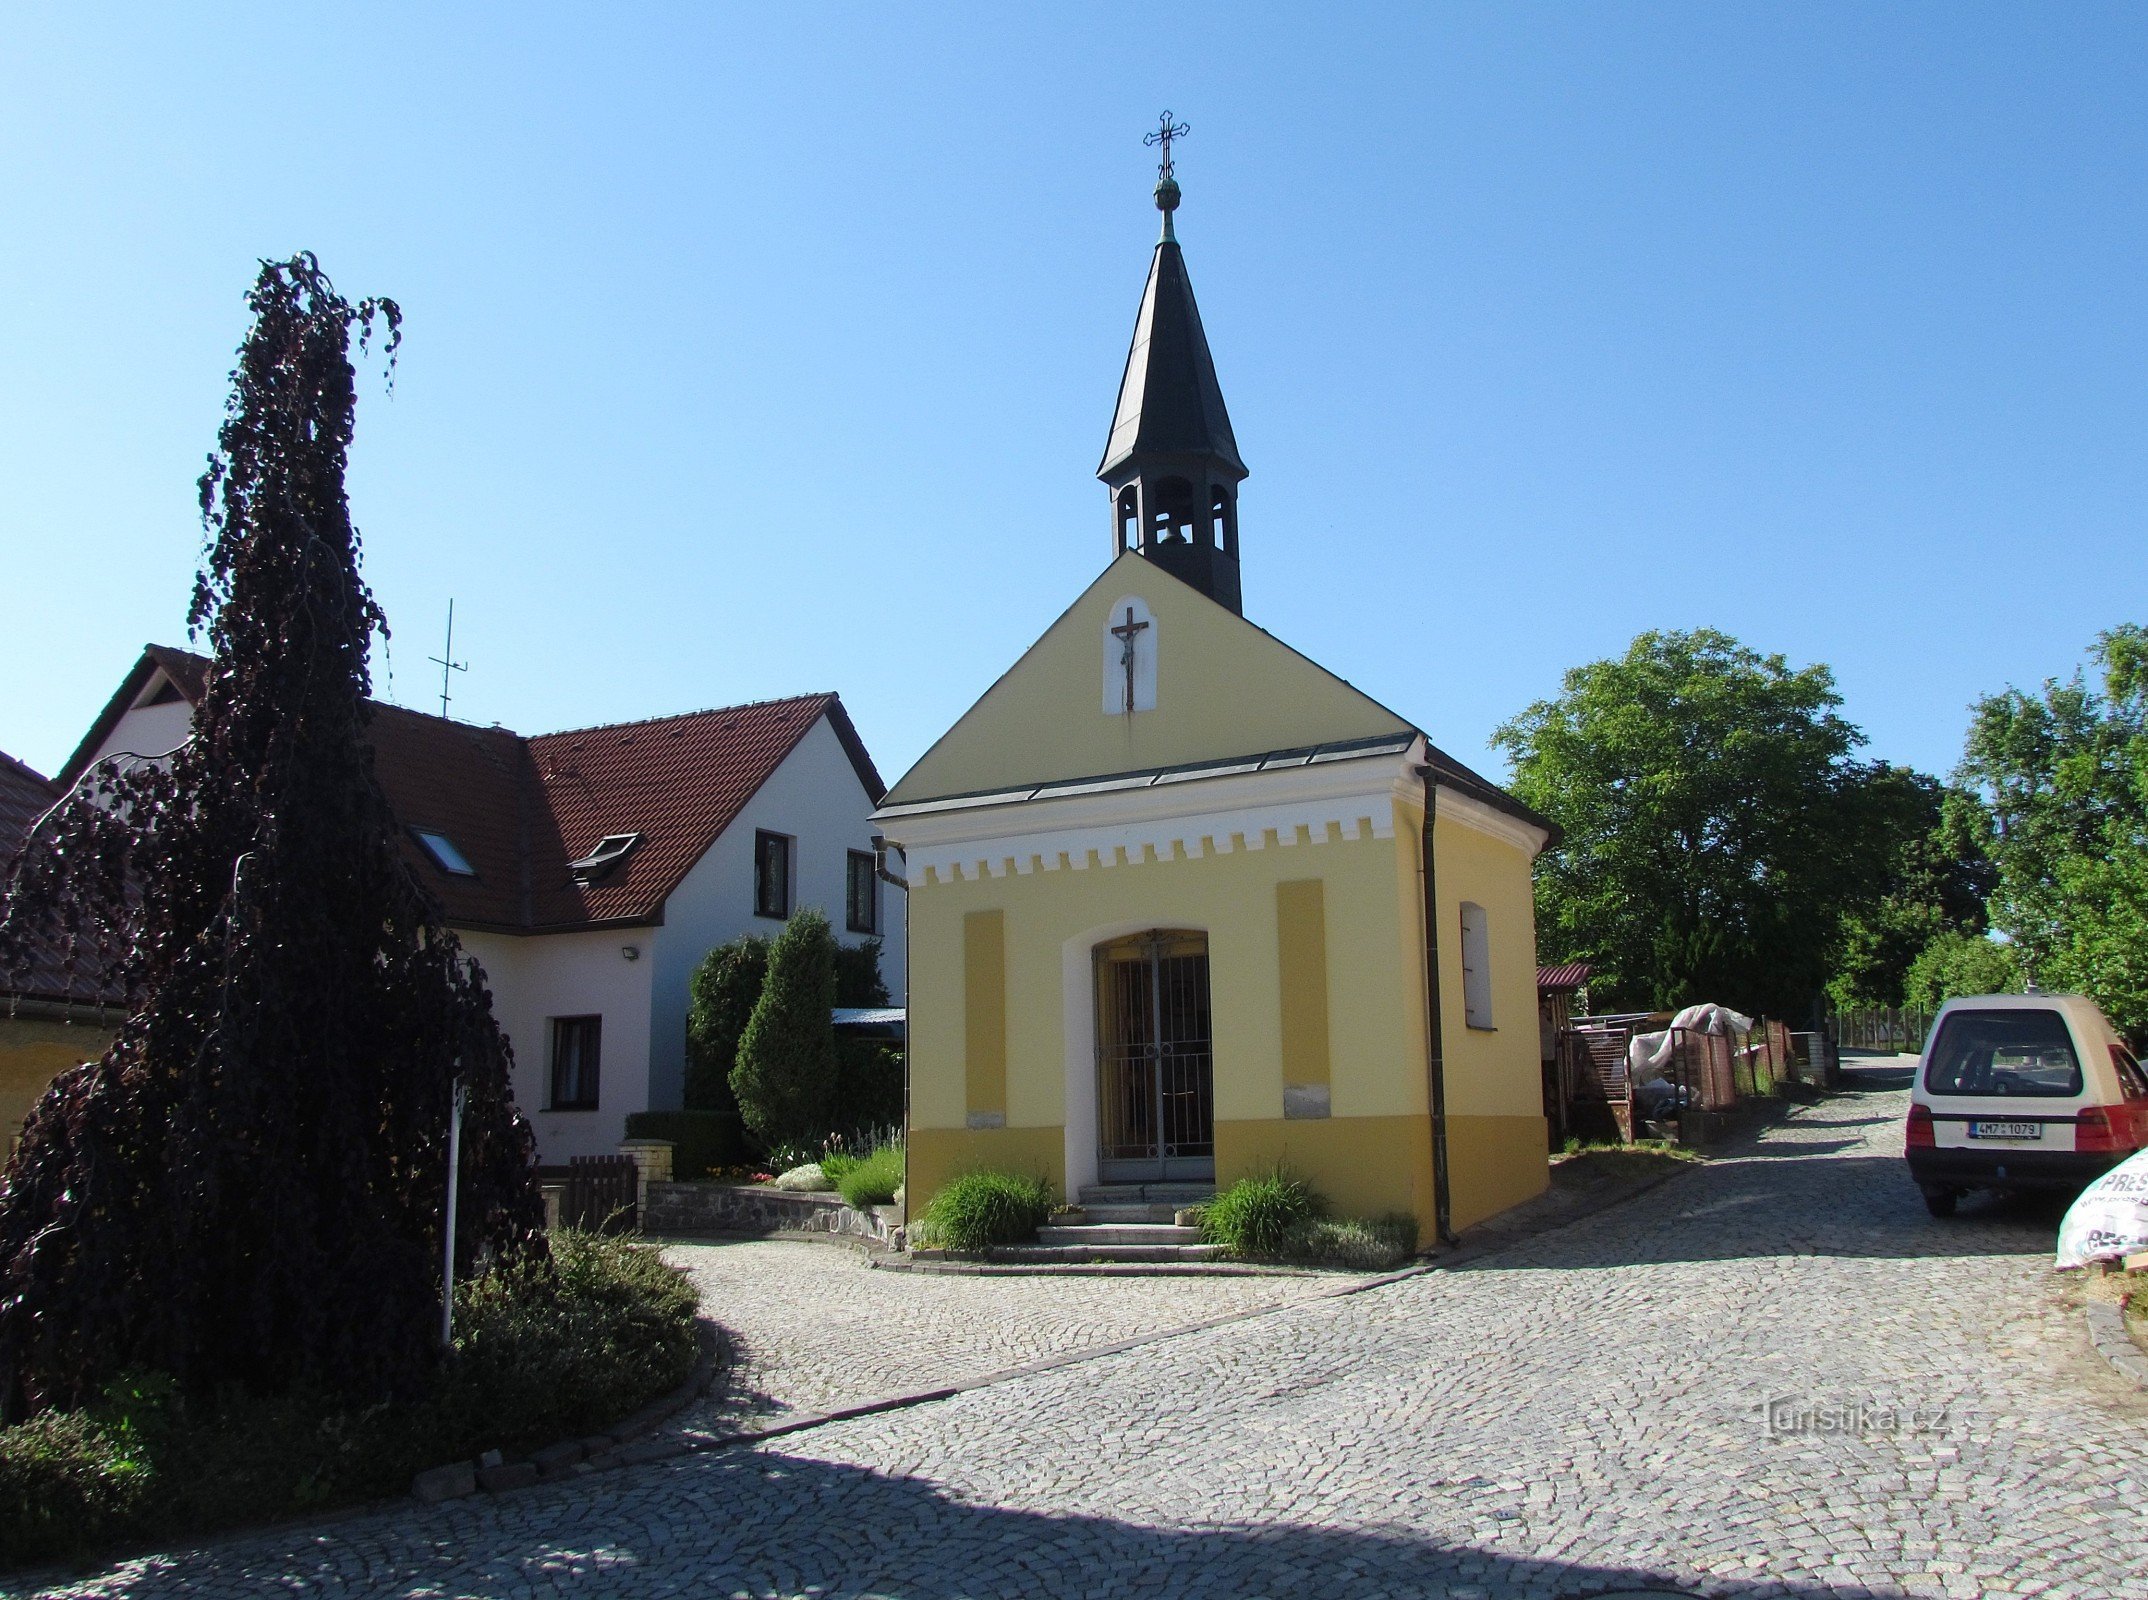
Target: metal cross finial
point(1166, 131)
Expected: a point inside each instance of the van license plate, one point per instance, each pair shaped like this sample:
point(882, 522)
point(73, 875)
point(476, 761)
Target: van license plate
point(2006, 1130)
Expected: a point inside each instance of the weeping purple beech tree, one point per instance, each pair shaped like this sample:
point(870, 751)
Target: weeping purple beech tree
point(247, 1188)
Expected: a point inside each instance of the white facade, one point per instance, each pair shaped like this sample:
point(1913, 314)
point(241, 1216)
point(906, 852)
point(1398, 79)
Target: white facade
point(537, 977)
point(815, 799)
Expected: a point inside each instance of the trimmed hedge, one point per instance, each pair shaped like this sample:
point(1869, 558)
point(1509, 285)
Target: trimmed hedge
point(539, 1355)
point(703, 1141)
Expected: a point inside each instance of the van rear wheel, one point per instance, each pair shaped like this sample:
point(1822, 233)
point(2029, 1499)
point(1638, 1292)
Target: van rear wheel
point(1940, 1202)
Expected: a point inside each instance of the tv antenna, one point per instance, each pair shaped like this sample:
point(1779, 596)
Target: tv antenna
point(446, 661)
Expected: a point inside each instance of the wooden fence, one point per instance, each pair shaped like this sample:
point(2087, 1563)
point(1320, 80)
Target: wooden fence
point(1599, 1099)
point(601, 1192)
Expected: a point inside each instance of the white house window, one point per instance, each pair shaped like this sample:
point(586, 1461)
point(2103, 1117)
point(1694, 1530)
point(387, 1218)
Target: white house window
point(1476, 967)
point(1129, 658)
point(772, 875)
point(445, 856)
point(861, 898)
point(577, 1047)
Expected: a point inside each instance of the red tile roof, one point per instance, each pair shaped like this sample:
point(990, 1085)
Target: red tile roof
point(1570, 975)
point(24, 797)
point(520, 809)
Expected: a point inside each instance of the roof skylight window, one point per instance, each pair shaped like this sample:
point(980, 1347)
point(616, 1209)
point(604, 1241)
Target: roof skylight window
point(610, 850)
point(444, 853)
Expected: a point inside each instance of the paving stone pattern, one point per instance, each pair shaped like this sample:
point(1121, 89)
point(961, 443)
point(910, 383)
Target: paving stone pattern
point(813, 1326)
point(1579, 1414)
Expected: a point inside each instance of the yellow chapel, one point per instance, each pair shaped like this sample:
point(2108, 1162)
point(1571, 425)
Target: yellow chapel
point(1184, 906)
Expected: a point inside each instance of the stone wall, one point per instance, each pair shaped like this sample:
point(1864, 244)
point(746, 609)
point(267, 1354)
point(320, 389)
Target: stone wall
point(690, 1208)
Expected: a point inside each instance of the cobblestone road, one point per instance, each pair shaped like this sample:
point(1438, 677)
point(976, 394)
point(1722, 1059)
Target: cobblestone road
point(1579, 1414)
point(813, 1327)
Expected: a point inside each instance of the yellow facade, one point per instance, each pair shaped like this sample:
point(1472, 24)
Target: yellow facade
point(1306, 883)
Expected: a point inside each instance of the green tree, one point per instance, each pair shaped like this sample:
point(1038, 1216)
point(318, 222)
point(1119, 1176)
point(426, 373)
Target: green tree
point(1934, 873)
point(1956, 963)
point(2065, 774)
point(247, 1189)
point(786, 1072)
point(1716, 826)
point(720, 1001)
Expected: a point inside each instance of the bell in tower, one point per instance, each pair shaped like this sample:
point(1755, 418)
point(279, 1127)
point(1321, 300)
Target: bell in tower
point(1171, 463)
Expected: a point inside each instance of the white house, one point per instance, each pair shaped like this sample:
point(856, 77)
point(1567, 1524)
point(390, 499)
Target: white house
point(590, 871)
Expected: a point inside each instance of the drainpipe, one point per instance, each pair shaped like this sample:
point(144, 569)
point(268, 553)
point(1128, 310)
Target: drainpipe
point(880, 870)
point(1435, 1057)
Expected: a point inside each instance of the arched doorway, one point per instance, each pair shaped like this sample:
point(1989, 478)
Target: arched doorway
point(1155, 1100)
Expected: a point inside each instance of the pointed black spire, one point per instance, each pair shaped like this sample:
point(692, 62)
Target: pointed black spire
point(1171, 462)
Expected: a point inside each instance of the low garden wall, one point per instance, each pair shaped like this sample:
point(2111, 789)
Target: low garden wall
point(688, 1208)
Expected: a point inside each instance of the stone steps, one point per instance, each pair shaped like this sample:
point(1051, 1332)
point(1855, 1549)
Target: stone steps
point(1066, 1254)
point(1114, 1233)
point(1168, 1194)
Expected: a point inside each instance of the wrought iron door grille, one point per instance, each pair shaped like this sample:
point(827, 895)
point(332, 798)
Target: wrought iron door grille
point(1155, 1067)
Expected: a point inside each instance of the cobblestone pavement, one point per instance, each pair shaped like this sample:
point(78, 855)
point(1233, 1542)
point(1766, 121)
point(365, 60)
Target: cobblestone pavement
point(1579, 1414)
point(813, 1327)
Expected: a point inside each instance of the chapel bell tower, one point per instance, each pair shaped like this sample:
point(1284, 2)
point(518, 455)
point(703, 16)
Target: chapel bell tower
point(1171, 463)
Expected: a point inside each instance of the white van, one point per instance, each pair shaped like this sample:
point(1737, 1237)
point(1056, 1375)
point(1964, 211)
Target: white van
point(2022, 1091)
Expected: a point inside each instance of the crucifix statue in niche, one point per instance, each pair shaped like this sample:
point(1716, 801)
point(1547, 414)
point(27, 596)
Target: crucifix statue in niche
point(1126, 633)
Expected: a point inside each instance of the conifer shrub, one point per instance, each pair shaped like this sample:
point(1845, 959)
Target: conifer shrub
point(981, 1209)
point(721, 997)
point(786, 1070)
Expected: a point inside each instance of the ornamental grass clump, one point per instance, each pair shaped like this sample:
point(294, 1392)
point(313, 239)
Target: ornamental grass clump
point(869, 1180)
point(981, 1209)
point(1255, 1216)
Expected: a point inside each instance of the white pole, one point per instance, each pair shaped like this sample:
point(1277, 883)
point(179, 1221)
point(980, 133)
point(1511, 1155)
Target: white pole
point(447, 1249)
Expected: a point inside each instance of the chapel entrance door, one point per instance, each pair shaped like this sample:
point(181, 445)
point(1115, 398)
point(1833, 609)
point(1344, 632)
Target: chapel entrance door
point(1154, 1063)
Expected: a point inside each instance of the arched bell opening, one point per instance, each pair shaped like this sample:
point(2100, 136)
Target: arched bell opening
point(1171, 518)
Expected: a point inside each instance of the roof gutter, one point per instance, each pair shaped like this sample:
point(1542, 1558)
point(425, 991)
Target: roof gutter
point(1435, 1052)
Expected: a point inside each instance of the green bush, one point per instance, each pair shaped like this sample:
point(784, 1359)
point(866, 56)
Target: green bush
point(702, 1141)
point(721, 997)
point(785, 1076)
point(1254, 1216)
point(1361, 1245)
point(539, 1356)
point(982, 1209)
point(65, 1479)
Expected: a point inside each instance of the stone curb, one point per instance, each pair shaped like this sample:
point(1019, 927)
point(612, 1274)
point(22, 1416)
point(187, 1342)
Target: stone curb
point(623, 1444)
point(2107, 1332)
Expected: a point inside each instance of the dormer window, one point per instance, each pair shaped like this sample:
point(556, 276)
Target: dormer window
point(444, 853)
point(610, 850)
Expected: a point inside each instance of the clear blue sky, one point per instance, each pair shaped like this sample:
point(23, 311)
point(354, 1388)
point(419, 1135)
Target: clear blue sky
point(755, 351)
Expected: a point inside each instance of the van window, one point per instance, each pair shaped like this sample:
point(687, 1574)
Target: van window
point(2130, 1077)
point(2024, 1053)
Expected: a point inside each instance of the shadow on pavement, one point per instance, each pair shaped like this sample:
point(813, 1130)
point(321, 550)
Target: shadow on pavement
point(769, 1523)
